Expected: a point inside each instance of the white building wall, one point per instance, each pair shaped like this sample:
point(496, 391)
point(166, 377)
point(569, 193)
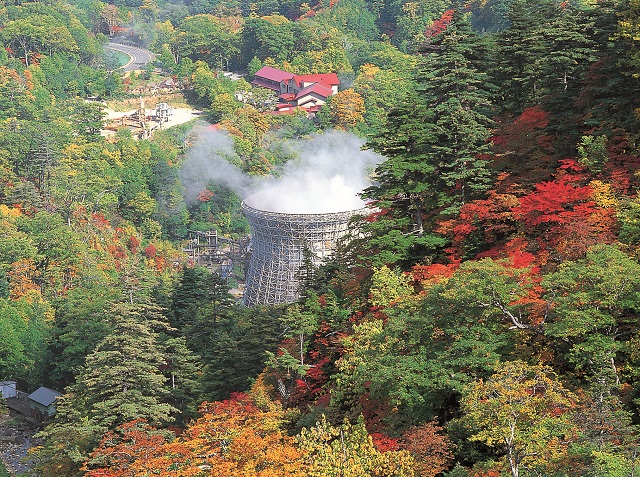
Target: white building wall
point(8, 389)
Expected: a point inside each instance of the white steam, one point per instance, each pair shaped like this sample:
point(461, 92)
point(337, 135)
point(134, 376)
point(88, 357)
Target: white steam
point(330, 171)
point(209, 160)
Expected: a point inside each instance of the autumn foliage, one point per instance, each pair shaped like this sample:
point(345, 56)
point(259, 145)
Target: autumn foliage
point(238, 438)
point(232, 437)
point(439, 25)
point(431, 449)
point(122, 452)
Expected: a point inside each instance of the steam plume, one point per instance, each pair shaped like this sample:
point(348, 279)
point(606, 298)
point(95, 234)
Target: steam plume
point(329, 172)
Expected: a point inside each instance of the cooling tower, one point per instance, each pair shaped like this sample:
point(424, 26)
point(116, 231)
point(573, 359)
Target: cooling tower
point(278, 242)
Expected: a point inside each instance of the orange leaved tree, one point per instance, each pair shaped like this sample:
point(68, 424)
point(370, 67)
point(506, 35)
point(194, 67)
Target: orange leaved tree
point(232, 437)
point(236, 437)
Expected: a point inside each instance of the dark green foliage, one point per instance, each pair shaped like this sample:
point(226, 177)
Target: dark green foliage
point(608, 97)
point(19, 137)
point(66, 78)
point(490, 16)
point(236, 349)
point(182, 371)
point(434, 144)
point(543, 54)
point(264, 39)
point(519, 49)
point(58, 248)
point(86, 119)
point(595, 311)
point(230, 340)
point(24, 330)
point(422, 356)
point(197, 290)
point(306, 274)
point(4, 285)
point(90, 215)
point(79, 327)
point(120, 380)
point(341, 279)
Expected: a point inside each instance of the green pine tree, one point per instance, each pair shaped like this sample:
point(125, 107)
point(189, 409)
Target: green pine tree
point(121, 378)
point(609, 96)
point(182, 370)
point(197, 289)
point(120, 381)
point(434, 144)
point(237, 349)
point(215, 304)
point(543, 55)
point(519, 49)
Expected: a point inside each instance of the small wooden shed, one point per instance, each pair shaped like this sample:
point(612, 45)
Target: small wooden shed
point(42, 401)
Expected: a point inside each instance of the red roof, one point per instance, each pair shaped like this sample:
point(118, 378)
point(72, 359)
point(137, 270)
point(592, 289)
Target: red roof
point(273, 74)
point(317, 88)
point(328, 79)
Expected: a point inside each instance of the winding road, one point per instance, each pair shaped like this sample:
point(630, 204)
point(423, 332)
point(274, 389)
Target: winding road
point(138, 56)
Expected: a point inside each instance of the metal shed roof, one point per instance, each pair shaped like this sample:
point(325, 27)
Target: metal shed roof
point(44, 396)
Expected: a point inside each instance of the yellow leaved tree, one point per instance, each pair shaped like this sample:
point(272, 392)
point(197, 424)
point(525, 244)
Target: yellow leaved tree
point(348, 451)
point(522, 410)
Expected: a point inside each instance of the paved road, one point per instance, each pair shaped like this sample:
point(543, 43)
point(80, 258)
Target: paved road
point(138, 56)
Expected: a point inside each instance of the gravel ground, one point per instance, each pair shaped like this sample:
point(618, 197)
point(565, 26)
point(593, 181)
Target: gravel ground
point(16, 438)
point(178, 116)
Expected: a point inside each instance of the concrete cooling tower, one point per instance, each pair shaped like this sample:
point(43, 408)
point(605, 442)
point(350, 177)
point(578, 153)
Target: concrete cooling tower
point(278, 242)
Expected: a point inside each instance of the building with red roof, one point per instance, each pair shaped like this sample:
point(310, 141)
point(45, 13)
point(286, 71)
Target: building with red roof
point(268, 77)
point(307, 91)
point(315, 94)
point(329, 80)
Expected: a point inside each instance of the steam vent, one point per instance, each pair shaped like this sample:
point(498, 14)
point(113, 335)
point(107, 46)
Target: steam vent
point(278, 244)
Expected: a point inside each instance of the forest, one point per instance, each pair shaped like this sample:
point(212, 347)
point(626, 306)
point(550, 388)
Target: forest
point(481, 320)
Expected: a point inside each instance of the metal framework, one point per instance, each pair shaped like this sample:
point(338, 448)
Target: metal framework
point(278, 244)
point(218, 254)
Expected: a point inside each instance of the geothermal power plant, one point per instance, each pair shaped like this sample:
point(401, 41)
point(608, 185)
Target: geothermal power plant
point(305, 206)
point(278, 244)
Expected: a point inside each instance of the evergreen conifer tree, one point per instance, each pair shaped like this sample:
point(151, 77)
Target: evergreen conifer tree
point(197, 288)
point(543, 54)
point(236, 353)
point(121, 379)
point(610, 92)
point(434, 144)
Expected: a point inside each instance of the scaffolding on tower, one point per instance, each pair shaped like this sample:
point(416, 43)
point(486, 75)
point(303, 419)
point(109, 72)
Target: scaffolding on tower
point(280, 243)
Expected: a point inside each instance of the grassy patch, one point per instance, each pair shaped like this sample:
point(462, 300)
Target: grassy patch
point(121, 58)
